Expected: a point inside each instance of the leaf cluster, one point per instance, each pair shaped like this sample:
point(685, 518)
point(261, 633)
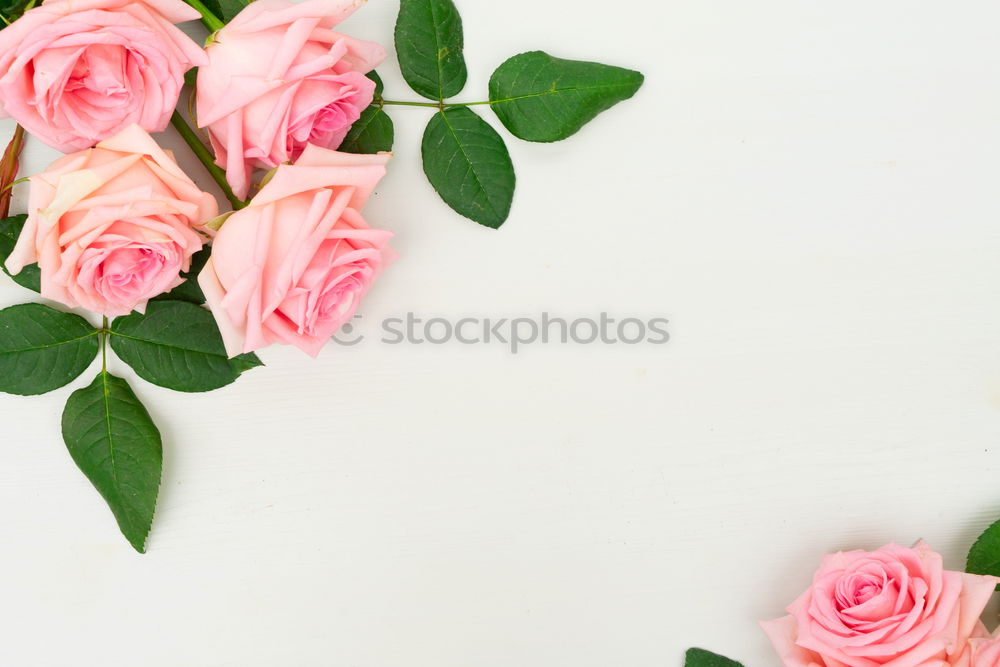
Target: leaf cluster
point(174, 344)
point(536, 96)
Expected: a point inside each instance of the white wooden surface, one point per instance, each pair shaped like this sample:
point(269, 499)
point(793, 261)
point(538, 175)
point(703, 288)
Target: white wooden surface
point(808, 190)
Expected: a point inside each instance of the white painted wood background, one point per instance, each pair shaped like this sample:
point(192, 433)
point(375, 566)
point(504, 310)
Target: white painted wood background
point(809, 192)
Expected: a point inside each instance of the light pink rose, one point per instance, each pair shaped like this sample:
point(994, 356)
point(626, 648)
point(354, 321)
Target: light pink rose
point(894, 606)
point(278, 77)
point(983, 651)
point(74, 72)
point(112, 226)
point(293, 266)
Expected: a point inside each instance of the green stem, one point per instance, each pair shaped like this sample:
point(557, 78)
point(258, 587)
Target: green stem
point(211, 21)
point(104, 346)
point(432, 105)
point(17, 182)
point(203, 154)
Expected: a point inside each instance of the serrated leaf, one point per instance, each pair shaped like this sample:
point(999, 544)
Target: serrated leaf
point(42, 349)
point(226, 9)
point(468, 164)
point(542, 98)
point(189, 290)
point(984, 556)
point(10, 229)
point(113, 440)
point(697, 657)
point(430, 45)
point(373, 133)
point(177, 345)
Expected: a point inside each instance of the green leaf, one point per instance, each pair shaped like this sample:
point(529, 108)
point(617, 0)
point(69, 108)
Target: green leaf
point(11, 10)
point(542, 98)
point(697, 657)
point(226, 9)
point(984, 556)
point(379, 86)
point(113, 440)
point(42, 349)
point(246, 362)
point(429, 45)
point(176, 345)
point(373, 133)
point(468, 164)
point(10, 229)
point(189, 290)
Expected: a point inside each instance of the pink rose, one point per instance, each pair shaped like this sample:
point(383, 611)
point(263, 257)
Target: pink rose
point(112, 226)
point(893, 606)
point(74, 72)
point(293, 266)
point(984, 651)
point(278, 78)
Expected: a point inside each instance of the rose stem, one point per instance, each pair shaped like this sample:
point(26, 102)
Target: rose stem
point(203, 154)
point(8, 169)
point(211, 21)
point(105, 331)
point(434, 105)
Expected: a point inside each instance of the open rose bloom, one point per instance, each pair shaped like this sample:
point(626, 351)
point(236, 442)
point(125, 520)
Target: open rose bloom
point(293, 266)
point(984, 651)
point(895, 606)
point(113, 226)
point(74, 72)
point(279, 77)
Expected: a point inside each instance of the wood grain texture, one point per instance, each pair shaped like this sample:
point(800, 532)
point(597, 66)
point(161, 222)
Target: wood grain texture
point(806, 190)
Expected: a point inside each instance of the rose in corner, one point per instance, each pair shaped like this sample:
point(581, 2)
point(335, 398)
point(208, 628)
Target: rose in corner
point(293, 266)
point(113, 226)
point(278, 78)
point(893, 605)
point(74, 73)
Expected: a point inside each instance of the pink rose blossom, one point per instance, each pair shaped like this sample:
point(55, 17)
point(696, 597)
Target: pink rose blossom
point(112, 226)
point(293, 266)
point(895, 606)
point(74, 72)
point(278, 78)
point(984, 651)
